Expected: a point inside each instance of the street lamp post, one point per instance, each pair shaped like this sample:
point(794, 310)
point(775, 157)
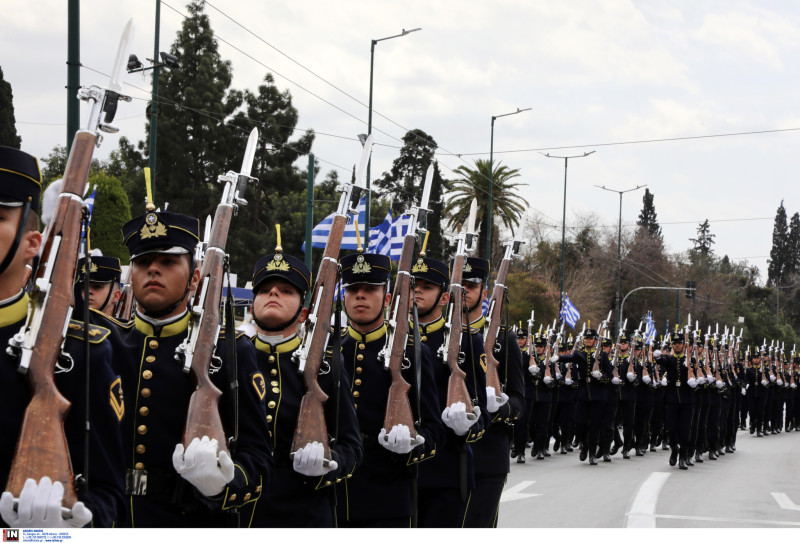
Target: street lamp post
point(564, 221)
point(491, 182)
point(619, 249)
point(369, 125)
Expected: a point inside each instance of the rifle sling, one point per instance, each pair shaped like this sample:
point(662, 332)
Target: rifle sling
point(82, 480)
point(336, 374)
point(232, 397)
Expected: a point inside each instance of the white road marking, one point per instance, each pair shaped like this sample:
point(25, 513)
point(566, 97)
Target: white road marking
point(728, 520)
point(785, 501)
point(515, 492)
point(642, 511)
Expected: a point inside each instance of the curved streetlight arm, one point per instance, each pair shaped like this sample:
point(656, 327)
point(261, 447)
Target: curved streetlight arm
point(622, 305)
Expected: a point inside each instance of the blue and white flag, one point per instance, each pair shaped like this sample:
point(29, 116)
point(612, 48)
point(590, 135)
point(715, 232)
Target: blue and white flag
point(319, 235)
point(400, 228)
point(485, 307)
point(89, 203)
point(569, 313)
point(649, 330)
point(380, 237)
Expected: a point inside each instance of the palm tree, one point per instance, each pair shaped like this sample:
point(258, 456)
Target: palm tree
point(507, 204)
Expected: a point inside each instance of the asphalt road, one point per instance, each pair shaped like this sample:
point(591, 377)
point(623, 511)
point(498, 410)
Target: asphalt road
point(755, 487)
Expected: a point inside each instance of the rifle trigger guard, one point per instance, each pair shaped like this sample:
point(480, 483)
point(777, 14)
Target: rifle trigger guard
point(496, 347)
point(324, 367)
point(406, 363)
point(68, 358)
point(214, 365)
point(461, 357)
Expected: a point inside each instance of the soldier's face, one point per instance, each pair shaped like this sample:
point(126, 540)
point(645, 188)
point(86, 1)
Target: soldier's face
point(474, 293)
point(678, 347)
point(624, 347)
point(159, 281)
point(364, 303)
point(426, 293)
point(589, 342)
point(28, 248)
point(521, 341)
point(98, 293)
point(277, 301)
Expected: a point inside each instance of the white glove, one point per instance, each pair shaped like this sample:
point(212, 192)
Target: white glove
point(554, 358)
point(597, 374)
point(492, 401)
point(780, 383)
point(646, 379)
point(558, 376)
point(310, 460)
point(39, 506)
point(772, 378)
point(692, 382)
point(744, 392)
point(664, 381)
point(456, 418)
point(615, 380)
point(657, 353)
point(547, 380)
point(631, 376)
point(764, 382)
point(201, 466)
point(398, 440)
point(710, 379)
point(793, 385)
point(568, 382)
point(719, 384)
point(684, 363)
point(534, 370)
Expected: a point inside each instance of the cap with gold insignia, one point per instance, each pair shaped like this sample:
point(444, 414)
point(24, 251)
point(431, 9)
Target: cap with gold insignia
point(476, 270)
point(370, 269)
point(20, 178)
point(105, 269)
point(285, 267)
point(431, 270)
point(161, 232)
point(676, 337)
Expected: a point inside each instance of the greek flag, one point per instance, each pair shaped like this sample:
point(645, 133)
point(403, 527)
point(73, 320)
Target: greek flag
point(319, 235)
point(89, 203)
point(569, 313)
point(649, 330)
point(380, 237)
point(400, 227)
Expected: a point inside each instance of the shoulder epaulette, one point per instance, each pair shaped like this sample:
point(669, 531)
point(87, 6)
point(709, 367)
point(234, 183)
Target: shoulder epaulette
point(96, 333)
point(112, 321)
point(239, 333)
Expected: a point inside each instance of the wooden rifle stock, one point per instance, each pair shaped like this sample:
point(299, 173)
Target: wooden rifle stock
point(456, 384)
point(311, 426)
point(689, 367)
point(42, 448)
point(498, 301)
point(398, 407)
point(124, 308)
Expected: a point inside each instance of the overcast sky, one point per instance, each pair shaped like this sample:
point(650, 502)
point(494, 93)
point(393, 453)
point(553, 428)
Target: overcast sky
point(598, 75)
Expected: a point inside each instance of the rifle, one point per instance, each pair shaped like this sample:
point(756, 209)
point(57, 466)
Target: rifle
point(600, 331)
point(493, 320)
point(124, 308)
point(531, 353)
point(42, 448)
point(398, 407)
point(689, 369)
point(198, 348)
point(451, 347)
point(311, 425)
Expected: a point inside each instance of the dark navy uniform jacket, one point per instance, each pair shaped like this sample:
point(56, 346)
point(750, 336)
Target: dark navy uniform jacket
point(626, 389)
point(443, 470)
point(292, 499)
point(104, 496)
point(155, 414)
point(541, 391)
point(491, 452)
point(590, 388)
point(381, 487)
point(677, 391)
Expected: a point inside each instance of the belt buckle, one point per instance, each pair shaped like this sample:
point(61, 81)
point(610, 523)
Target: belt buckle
point(136, 482)
point(588, 380)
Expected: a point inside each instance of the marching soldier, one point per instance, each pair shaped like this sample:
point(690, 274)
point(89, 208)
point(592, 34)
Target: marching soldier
point(522, 426)
point(168, 485)
point(101, 497)
point(492, 462)
point(627, 396)
point(301, 492)
point(678, 399)
point(446, 479)
point(756, 392)
point(104, 279)
point(380, 492)
point(544, 384)
point(565, 404)
point(645, 397)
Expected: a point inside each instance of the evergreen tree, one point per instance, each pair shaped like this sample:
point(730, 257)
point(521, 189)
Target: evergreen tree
point(111, 210)
point(793, 246)
point(648, 220)
point(703, 241)
point(778, 255)
point(404, 182)
point(8, 128)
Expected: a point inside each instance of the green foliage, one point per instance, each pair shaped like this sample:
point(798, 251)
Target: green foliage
point(648, 219)
point(780, 260)
point(111, 211)
point(8, 127)
point(531, 291)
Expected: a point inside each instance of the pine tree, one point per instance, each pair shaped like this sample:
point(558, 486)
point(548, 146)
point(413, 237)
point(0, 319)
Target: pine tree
point(793, 246)
point(648, 220)
point(704, 240)
point(778, 254)
point(8, 128)
point(111, 210)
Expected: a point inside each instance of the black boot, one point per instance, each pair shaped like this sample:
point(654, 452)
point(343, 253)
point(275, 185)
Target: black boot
point(759, 434)
point(592, 460)
point(698, 457)
point(513, 452)
point(728, 449)
point(606, 458)
point(625, 454)
point(521, 458)
point(640, 452)
point(540, 455)
point(556, 444)
point(673, 456)
point(584, 454)
point(753, 430)
point(683, 464)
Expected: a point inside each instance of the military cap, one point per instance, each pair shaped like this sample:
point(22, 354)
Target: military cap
point(624, 337)
point(676, 337)
point(161, 232)
point(432, 270)
point(284, 266)
point(20, 178)
point(590, 333)
point(607, 342)
point(570, 343)
point(105, 269)
point(476, 270)
point(522, 333)
point(540, 340)
point(370, 269)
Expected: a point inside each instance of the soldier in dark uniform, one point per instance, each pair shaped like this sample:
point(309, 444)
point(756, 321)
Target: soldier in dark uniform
point(715, 389)
point(591, 395)
point(756, 385)
point(101, 500)
point(446, 479)
point(608, 422)
point(104, 278)
point(492, 462)
point(543, 389)
point(678, 399)
point(522, 426)
point(301, 492)
point(565, 404)
point(380, 492)
point(645, 393)
point(698, 443)
point(167, 485)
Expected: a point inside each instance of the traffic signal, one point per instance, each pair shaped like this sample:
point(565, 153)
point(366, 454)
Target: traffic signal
point(693, 286)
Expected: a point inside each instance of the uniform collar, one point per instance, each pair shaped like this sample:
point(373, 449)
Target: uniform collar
point(477, 325)
point(434, 326)
point(162, 329)
point(285, 346)
point(14, 309)
point(377, 333)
